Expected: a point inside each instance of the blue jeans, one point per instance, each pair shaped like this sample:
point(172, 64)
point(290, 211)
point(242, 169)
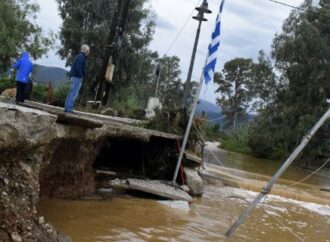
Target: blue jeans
point(74, 90)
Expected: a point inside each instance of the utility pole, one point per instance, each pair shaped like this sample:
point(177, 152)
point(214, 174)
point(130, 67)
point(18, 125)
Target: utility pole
point(266, 190)
point(112, 48)
point(203, 9)
point(119, 40)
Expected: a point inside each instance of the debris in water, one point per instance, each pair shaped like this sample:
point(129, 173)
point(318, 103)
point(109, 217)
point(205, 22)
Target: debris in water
point(159, 188)
point(183, 205)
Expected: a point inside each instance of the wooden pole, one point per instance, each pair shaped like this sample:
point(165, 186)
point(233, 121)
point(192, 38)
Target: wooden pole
point(119, 35)
point(108, 53)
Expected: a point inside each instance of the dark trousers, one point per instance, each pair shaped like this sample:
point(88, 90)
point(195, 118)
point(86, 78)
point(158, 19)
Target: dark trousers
point(20, 91)
point(28, 90)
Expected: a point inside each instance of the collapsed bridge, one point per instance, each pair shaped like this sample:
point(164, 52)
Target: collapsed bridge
point(46, 153)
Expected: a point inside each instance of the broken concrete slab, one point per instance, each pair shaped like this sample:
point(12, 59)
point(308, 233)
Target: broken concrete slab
point(181, 205)
point(160, 189)
point(104, 118)
point(119, 184)
point(123, 126)
point(325, 189)
point(70, 119)
point(192, 159)
point(225, 179)
point(194, 181)
point(106, 173)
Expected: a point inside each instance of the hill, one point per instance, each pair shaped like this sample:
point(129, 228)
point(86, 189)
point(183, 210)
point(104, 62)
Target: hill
point(212, 111)
point(57, 76)
point(215, 115)
point(207, 107)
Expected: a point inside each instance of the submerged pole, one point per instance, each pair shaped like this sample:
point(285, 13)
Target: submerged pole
point(280, 171)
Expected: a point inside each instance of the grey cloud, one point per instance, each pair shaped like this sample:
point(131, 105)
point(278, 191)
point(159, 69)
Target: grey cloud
point(164, 24)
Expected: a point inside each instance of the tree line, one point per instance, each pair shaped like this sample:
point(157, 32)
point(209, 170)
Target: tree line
point(287, 91)
point(89, 21)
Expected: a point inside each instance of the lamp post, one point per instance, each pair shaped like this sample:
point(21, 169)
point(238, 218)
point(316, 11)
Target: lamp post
point(203, 9)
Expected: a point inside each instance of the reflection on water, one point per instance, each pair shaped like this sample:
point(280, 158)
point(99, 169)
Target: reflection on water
point(264, 167)
point(135, 219)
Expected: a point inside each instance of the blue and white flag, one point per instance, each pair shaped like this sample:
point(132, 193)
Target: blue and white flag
point(213, 49)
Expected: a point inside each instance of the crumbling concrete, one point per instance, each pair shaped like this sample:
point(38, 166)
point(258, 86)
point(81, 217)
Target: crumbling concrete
point(194, 181)
point(42, 157)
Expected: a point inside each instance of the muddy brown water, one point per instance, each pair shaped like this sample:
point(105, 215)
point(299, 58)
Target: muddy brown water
point(280, 218)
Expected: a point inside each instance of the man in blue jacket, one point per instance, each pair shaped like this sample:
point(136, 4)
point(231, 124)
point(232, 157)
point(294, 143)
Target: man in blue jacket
point(24, 68)
point(77, 74)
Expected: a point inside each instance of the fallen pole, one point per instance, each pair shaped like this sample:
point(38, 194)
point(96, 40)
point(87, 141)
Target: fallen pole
point(280, 171)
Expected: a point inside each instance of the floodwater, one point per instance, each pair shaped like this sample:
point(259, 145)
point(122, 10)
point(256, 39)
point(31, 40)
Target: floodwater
point(279, 218)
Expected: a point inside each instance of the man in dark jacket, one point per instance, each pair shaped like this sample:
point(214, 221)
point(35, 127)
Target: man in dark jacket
point(24, 68)
point(77, 74)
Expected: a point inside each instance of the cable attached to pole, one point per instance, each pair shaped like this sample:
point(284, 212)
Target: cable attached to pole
point(280, 171)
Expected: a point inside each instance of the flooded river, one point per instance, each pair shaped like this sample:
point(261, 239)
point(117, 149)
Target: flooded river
point(280, 218)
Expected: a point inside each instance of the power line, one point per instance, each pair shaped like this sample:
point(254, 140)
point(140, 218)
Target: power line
point(181, 30)
point(300, 9)
point(288, 5)
point(307, 177)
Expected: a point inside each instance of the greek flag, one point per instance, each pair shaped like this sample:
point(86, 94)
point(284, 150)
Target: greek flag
point(211, 60)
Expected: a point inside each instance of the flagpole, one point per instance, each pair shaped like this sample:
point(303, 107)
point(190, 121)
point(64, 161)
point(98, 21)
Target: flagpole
point(212, 49)
point(186, 136)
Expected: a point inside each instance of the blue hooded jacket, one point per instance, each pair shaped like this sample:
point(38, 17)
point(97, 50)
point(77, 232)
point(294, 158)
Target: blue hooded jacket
point(24, 67)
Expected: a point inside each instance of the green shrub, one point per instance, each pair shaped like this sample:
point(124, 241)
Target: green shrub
point(59, 95)
point(39, 93)
point(212, 133)
point(236, 141)
point(131, 101)
point(128, 106)
point(166, 121)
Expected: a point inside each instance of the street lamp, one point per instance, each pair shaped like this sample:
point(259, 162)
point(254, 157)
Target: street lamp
point(203, 9)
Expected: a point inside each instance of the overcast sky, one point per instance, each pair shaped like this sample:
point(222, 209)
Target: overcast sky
point(247, 27)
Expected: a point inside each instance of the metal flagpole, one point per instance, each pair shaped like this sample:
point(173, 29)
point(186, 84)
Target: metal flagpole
point(207, 74)
point(186, 136)
point(280, 171)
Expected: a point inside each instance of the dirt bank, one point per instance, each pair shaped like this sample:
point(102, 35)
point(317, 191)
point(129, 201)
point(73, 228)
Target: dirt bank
point(40, 157)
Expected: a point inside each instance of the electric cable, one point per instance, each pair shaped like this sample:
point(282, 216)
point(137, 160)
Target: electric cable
point(298, 8)
point(182, 28)
point(316, 171)
point(287, 5)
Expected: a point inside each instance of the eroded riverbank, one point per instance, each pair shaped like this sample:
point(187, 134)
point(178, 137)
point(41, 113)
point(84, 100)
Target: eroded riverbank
point(49, 154)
